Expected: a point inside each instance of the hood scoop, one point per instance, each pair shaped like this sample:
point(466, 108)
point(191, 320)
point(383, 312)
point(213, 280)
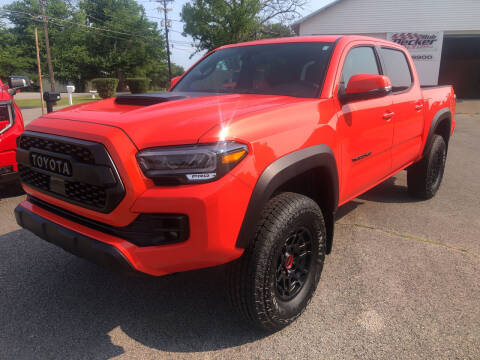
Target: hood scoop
point(148, 99)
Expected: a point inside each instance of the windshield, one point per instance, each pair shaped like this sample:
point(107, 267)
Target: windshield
point(290, 69)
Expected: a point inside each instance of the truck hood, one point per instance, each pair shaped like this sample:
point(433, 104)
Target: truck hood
point(169, 118)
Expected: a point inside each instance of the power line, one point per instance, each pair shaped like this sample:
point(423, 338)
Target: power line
point(165, 10)
point(178, 44)
point(61, 26)
point(47, 47)
point(99, 31)
point(33, 16)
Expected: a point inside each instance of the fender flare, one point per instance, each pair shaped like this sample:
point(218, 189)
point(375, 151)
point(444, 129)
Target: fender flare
point(277, 174)
point(441, 115)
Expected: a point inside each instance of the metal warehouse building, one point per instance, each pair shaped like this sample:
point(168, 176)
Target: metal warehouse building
point(443, 36)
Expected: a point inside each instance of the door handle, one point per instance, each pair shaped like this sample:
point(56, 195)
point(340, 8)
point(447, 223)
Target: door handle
point(388, 115)
point(419, 107)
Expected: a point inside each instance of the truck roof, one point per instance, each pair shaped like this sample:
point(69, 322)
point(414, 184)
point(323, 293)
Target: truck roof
point(322, 38)
point(295, 39)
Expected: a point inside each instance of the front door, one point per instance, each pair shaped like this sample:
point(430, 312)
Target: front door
point(367, 129)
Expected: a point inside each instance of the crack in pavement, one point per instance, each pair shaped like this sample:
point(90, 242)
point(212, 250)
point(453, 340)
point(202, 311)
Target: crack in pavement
point(410, 237)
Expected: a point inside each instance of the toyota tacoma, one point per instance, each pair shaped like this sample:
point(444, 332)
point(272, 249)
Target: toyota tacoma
point(244, 161)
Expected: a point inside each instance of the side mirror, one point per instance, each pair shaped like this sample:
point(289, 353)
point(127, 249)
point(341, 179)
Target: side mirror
point(366, 86)
point(174, 81)
point(18, 82)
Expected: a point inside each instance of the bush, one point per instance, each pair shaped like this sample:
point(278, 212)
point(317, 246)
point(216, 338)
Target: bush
point(138, 85)
point(106, 87)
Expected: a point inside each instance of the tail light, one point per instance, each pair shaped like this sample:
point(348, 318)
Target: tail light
point(6, 117)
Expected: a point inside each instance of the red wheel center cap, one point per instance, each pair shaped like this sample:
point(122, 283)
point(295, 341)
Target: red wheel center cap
point(289, 261)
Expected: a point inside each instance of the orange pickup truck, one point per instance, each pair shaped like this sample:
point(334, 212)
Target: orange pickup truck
point(244, 161)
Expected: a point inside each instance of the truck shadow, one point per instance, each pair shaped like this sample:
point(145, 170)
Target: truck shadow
point(390, 191)
point(54, 305)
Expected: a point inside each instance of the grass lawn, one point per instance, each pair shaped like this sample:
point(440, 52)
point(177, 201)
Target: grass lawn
point(32, 103)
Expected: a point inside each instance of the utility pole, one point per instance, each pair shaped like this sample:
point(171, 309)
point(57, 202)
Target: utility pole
point(47, 46)
point(167, 25)
point(39, 72)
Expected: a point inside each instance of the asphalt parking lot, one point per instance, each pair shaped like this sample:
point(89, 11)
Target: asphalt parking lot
point(402, 282)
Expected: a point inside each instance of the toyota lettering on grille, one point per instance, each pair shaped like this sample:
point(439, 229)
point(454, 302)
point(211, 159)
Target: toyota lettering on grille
point(51, 164)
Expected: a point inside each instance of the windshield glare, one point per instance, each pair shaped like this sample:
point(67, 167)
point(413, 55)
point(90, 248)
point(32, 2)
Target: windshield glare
point(290, 69)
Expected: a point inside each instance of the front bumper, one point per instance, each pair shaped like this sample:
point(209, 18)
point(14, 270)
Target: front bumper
point(83, 246)
point(8, 177)
point(214, 210)
point(8, 166)
point(215, 215)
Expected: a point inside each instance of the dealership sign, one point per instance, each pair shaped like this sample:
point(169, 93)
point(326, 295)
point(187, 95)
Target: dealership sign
point(426, 51)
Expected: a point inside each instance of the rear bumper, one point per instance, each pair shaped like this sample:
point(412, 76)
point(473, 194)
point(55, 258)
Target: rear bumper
point(83, 246)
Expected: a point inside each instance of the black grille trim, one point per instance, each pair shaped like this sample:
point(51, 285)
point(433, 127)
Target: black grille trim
point(54, 145)
point(145, 230)
point(95, 183)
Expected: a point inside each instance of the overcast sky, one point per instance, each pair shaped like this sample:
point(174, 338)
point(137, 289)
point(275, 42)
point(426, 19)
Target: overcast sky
point(182, 48)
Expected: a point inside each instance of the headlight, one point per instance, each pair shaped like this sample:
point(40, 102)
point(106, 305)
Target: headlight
point(192, 164)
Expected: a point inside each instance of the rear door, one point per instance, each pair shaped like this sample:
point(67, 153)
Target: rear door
point(407, 107)
point(365, 127)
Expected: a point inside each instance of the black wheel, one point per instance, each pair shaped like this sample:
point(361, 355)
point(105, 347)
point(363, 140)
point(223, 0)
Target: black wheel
point(424, 178)
point(274, 280)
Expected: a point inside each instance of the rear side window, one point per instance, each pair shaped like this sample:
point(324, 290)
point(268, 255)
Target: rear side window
point(360, 60)
point(397, 69)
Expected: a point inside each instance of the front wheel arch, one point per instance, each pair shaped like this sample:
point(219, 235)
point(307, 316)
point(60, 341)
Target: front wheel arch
point(296, 172)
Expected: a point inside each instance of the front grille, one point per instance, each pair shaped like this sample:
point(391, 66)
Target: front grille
point(87, 194)
point(79, 153)
point(94, 184)
point(33, 178)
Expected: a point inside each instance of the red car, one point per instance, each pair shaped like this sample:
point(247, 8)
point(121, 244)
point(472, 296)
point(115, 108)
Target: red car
point(11, 126)
point(244, 161)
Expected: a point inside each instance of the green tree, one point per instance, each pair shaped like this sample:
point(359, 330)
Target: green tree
point(88, 39)
point(213, 23)
point(132, 47)
point(24, 17)
point(275, 30)
point(12, 58)
point(160, 78)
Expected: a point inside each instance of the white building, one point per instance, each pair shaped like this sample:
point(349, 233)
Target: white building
point(443, 36)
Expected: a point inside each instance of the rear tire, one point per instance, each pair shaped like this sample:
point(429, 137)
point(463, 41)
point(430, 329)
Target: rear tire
point(276, 277)
point(424, 178)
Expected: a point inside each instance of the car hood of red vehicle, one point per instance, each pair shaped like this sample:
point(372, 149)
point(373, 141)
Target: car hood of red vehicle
point(173, 122)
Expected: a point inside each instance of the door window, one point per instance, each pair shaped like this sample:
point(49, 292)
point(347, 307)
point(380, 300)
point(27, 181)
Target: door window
point(397, 69)
point(360, 60)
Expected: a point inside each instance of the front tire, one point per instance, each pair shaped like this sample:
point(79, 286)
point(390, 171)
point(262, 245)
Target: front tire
point(275, 279)
point(424, 178)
